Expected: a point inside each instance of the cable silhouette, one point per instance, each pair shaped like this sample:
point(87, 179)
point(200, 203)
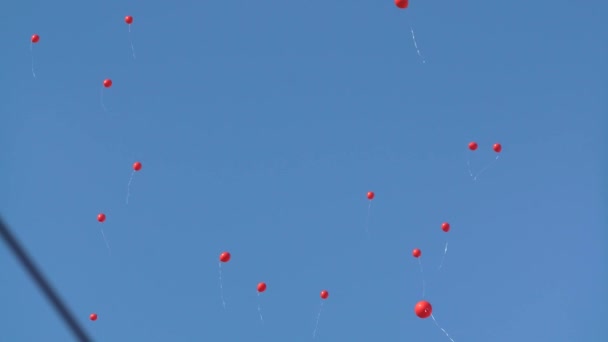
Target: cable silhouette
point(42, 283)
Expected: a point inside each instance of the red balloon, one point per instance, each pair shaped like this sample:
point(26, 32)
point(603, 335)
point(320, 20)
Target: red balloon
point(416, 253)
point(324, 294)
point(137, 166)
point(225, 257)
point(423, 309)
point(35, 38)
point(107, 83)
point(472, 146)
point(93, 317)
point(497, 147)
point(262, 287)
point(129, 19)
point(101, 217)
point(370, 195)
point(401, 3)
point(445, 227)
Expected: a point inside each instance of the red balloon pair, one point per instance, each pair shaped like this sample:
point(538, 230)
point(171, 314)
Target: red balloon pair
point(496, 147)
point(36, 38)
point(225, 257)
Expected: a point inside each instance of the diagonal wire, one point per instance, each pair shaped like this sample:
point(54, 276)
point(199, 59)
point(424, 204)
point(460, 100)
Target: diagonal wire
point(42, 283)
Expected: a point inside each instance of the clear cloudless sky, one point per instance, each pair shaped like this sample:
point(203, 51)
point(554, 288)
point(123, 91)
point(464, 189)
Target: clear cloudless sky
point(261, 125)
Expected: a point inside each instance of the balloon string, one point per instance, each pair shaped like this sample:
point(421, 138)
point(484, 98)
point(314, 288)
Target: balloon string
point(32, 54)
point(445, 251)
point(129, 186)
point(314, 333)
point(445, 332)
point(106, 241)
point(131, 41)
point(260, 309)
point(101, 100)
point(222, 287)
point(416, 45)
point(485, 168)
point(369, 212)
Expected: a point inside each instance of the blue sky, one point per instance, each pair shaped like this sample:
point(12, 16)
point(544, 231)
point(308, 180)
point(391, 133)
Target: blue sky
point(261, 125)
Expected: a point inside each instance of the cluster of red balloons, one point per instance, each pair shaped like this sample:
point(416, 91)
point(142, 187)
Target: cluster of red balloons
point(423, 309)
point(226, 256)
point(107, 83)
point(101, 217)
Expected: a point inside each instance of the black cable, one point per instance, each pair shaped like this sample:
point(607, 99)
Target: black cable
point(42, 283)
